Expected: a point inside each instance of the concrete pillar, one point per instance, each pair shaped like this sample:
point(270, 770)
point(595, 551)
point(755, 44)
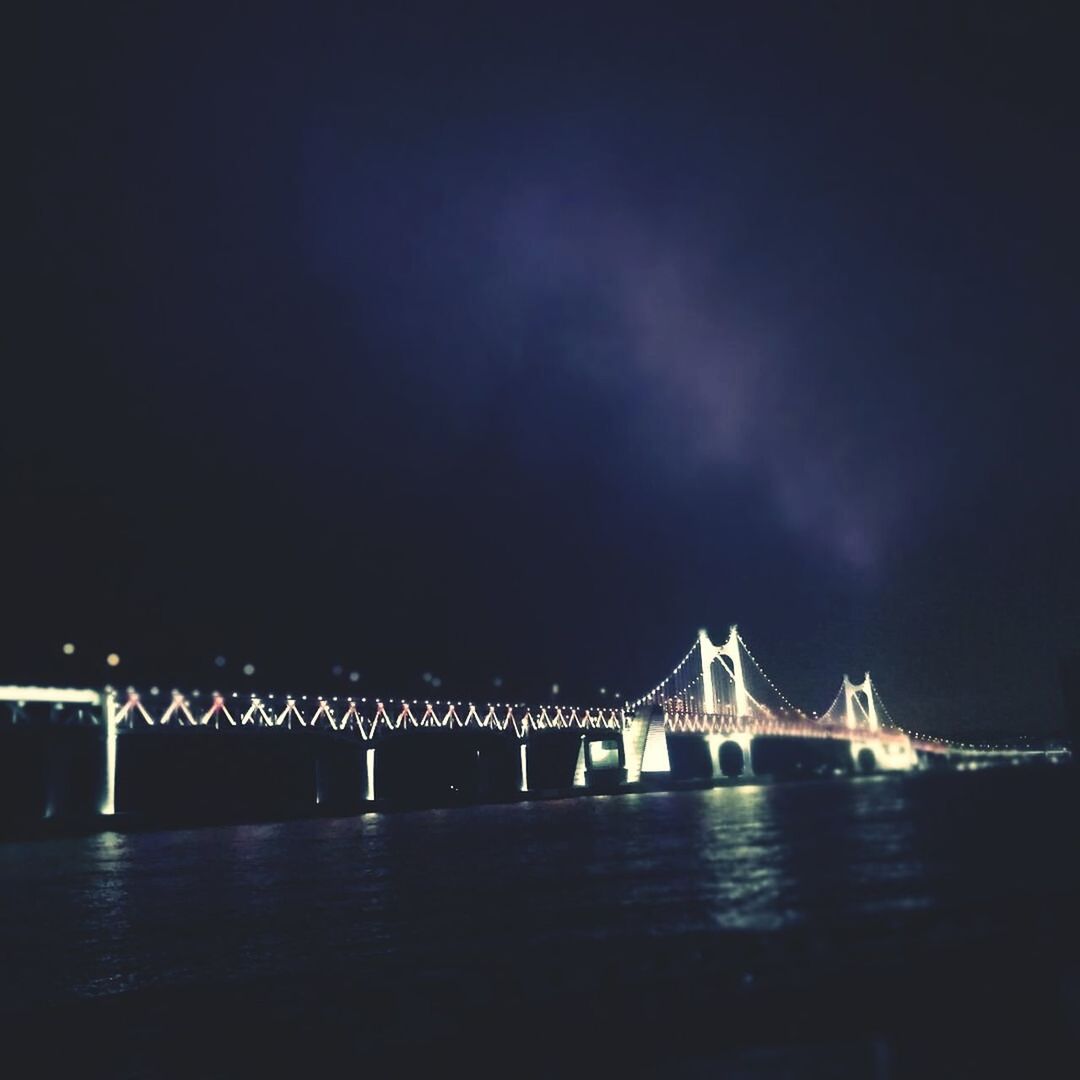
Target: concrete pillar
point(108, 789)
point(655, 758)
point(716, 742)
point(892, 756)
point(579, 771)
point(634, 738)
point(709, 652)
point(871, 705)
point(523, 776)
point(857, 747)
point(865, 688)
point(746, 742)
point(370, 762)
point(731, 650)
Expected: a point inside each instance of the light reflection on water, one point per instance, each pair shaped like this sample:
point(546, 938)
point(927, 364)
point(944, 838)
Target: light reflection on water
point(435, 890)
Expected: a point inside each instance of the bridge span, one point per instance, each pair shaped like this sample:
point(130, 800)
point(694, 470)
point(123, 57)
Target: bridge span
point(717, 716)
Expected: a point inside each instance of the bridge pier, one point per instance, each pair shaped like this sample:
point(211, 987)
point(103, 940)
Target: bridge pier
point(724, 763)
point(369, 774)
point(581, 768)
point(601, 762)
point(655, 758)
point(891, 755)
point(634, 737)
point(108, 790)
point(550, 761)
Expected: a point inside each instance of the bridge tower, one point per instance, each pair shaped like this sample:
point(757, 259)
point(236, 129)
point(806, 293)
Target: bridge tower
point(867, 690)
point(711, 652)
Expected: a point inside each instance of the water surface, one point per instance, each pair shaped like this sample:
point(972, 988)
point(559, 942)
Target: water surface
point(794, 888)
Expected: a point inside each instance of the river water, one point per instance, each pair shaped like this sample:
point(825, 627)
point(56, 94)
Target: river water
point(840, 927)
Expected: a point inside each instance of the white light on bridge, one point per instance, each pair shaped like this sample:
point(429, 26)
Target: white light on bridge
point(69, 648)
point(112, 659)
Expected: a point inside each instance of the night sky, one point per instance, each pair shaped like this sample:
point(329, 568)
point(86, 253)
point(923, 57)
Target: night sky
point(488, 344)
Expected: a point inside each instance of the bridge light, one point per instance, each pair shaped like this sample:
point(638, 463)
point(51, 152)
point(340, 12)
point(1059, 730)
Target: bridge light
point(68, 648)
point(112, 659)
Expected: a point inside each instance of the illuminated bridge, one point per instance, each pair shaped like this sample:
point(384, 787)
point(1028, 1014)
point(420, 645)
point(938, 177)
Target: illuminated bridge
point(716, 716)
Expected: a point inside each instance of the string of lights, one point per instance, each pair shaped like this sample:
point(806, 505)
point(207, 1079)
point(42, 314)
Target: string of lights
point(884, 711)
point(765, 674)
point(663, 682)
point(827, 714)
point(758, 705)
point(365, 718)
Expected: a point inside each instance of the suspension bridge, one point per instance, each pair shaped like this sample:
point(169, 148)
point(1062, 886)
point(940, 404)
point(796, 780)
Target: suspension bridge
point(716, 716)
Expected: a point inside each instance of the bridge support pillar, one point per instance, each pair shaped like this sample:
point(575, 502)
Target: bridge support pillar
point(716, 754)
point(605, 761)
point(580, 776)
point(633, 739)
point(869, 754)
point(654, 754)
point(369, 794)
point(523, 770)
point(108, 789)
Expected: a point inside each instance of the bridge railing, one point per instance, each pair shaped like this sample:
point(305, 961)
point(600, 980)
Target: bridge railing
point(794, 724)
point(51, 705)
point(357, 716)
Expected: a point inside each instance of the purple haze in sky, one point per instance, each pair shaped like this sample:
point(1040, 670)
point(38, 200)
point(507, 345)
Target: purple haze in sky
point(717, 390)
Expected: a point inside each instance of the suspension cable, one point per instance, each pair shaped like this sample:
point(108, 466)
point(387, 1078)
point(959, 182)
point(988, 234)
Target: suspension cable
point(660, 685)
point(764, 675)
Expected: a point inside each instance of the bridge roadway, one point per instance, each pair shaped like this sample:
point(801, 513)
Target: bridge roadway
point(75, 753)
